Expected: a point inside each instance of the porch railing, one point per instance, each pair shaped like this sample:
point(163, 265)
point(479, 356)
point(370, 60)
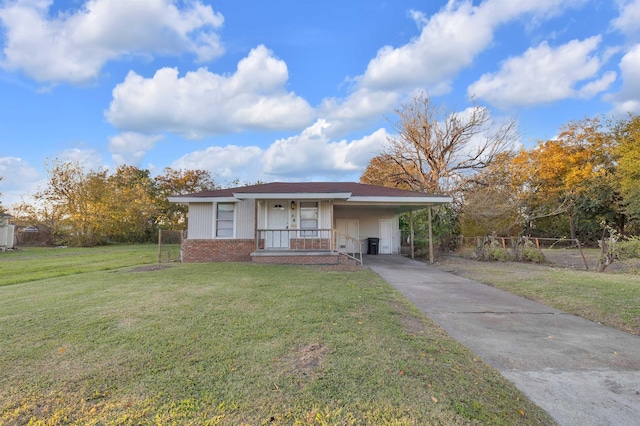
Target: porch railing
point(316, 239)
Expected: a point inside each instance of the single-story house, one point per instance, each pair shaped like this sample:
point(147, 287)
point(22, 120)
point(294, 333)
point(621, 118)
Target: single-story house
point(297, 222)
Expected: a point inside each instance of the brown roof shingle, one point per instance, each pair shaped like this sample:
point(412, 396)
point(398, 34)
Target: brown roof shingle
point(356, 190)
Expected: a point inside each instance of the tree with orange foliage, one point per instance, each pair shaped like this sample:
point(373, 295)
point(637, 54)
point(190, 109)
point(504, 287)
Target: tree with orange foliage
point(627, 135)
point(558, 175)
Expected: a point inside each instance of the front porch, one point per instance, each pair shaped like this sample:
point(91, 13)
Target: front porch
point(313, 246)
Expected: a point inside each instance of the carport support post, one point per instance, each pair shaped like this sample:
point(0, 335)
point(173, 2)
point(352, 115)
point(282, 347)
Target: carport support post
point(430, 237)
point(413, 256)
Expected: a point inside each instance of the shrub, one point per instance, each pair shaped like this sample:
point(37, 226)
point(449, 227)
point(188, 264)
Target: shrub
point(529, 253)
point(628, 249)
point(497, 252)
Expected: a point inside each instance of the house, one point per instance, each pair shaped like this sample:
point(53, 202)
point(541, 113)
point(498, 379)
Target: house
point(301, 223)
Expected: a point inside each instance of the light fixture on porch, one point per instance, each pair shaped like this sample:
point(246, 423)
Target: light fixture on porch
point(293, 205)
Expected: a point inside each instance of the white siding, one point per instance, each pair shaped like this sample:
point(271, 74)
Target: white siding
point(245, 219)
point(324, 210)
point(369, 220)
point(201, 219)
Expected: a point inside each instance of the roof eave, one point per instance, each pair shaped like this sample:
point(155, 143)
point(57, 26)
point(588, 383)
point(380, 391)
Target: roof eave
point(187, 200)
point(294, 195)
point(407, 200)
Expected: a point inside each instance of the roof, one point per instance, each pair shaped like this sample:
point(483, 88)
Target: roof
point(326, 190)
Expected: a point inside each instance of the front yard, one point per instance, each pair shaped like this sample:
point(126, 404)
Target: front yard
point(230, 344)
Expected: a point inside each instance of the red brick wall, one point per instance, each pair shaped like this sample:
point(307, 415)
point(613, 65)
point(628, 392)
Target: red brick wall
point(310, 244)
point(284, 259)
point(217, 250)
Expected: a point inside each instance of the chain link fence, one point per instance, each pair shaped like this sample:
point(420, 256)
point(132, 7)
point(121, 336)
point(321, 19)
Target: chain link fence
point(560, 252)
point(170, 245)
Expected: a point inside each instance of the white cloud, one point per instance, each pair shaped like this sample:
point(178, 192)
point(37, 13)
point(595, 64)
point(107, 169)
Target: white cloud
point(356, 110)
point(310, 155)
point(628, 99)
point(18, 179)
point(313, 153)
point(627, 22)
point(73, 46)
point(545, 74)
point(130, 147)
point(448, 42)
point(232, 162)
point(89, 159)
point(203, 103)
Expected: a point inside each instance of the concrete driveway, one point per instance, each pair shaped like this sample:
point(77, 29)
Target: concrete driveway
point(580, 372)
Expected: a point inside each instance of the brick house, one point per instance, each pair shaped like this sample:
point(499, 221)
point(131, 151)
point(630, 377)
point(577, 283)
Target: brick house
point(296, 222)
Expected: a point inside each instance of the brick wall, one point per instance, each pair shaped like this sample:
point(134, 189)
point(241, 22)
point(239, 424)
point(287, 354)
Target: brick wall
point(292, 259)
point(310, 244)
point(217, 250)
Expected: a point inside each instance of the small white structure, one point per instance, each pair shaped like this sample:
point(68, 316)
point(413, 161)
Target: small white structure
point(6, 232)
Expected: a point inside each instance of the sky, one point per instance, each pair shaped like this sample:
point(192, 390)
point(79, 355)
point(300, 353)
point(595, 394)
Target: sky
point(293, 90)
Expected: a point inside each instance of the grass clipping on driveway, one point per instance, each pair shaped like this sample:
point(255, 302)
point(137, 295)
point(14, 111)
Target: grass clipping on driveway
point(237, 344)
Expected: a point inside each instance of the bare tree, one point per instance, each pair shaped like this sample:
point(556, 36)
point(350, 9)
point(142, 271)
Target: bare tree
point(438, 150)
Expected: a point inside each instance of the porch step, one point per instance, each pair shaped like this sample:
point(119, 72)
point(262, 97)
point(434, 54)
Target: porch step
point(300, 257)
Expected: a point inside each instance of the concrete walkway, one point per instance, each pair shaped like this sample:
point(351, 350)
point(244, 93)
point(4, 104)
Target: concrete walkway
point(580, 372)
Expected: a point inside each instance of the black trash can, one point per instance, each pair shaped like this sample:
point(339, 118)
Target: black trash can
point(373, 245)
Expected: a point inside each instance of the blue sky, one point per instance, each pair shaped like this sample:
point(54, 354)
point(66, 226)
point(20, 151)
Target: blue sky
point(290, 90)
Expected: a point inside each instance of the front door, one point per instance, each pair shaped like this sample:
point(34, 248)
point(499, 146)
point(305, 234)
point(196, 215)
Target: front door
point(385, 236)
point(351, 228)
point(278, 221)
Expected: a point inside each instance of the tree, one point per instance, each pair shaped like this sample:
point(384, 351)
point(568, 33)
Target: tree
point(568, 174)
point(130, 209)
point(175, 182)
point(490, 202)
point(627, 134)
point(73, 198)
point(439, 150)
point(382, 170)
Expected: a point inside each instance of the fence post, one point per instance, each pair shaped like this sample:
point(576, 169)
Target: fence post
point(159, 245)
point(586, 265)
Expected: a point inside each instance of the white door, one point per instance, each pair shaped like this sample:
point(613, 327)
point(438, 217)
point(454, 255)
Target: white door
point(351, 228)
point(385, 236)
point(277, 219)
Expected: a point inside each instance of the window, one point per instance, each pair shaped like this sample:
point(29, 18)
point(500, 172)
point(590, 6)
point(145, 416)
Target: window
point(309, 218)
point(224, 220)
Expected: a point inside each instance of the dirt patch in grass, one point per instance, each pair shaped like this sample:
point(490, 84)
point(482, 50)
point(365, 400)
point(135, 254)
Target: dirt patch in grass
point(305, 362)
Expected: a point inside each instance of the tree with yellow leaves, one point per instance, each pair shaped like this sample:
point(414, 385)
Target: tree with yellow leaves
point(627, 135)
point(567, 175)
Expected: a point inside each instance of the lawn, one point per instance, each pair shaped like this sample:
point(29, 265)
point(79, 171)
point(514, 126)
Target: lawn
point(611, 299)
point(36, 263)
point(232, 344)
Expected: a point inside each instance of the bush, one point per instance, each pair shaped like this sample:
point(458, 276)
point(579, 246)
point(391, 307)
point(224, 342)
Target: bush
point(529, 253)
point(628, 249)
point(495, 251)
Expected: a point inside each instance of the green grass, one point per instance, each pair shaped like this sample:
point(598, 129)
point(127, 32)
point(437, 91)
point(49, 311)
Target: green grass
point(611, 299)
point(236, 344)
point(36, 263)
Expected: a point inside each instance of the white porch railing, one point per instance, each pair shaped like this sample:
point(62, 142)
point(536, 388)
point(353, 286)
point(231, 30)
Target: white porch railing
point(315, 239)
